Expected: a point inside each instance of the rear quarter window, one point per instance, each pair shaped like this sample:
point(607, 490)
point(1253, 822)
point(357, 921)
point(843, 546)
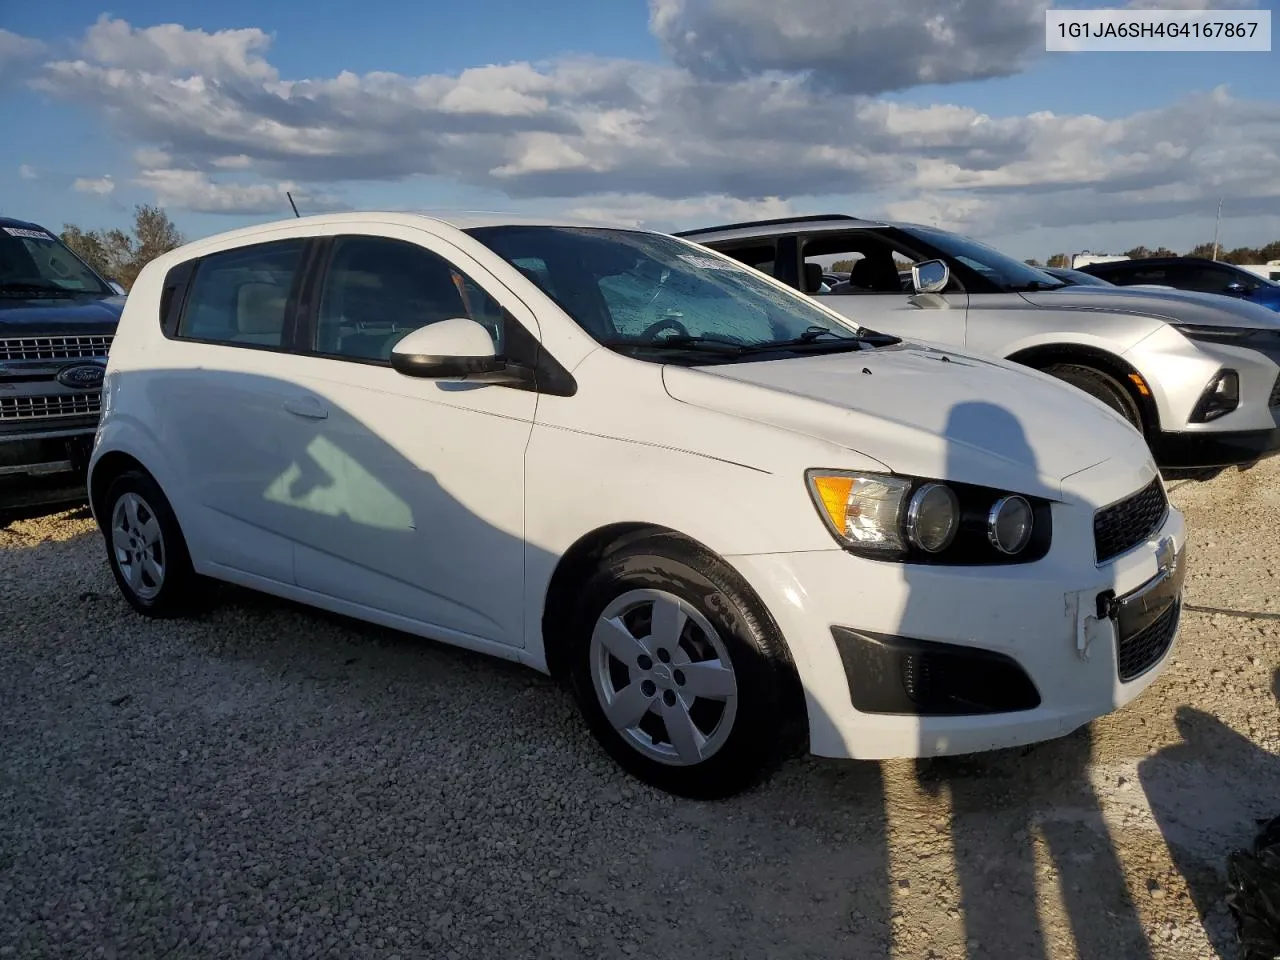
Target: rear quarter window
point(241, 297)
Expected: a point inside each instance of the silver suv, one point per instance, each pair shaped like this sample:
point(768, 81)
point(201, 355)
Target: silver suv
point(1198, 374)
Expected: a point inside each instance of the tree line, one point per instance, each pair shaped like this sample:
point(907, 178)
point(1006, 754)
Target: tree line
point(1238, 255)
point(120, 255)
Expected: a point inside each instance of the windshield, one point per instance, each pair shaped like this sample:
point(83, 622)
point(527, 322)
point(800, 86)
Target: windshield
point(34, 263)
point(646, 294)
point(1005, 272)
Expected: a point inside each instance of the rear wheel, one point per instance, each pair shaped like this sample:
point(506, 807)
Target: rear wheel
point(1102, 387)
point(680, 675)
point(146, 549)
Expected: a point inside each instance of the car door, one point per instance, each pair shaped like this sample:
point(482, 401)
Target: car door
point(221, 401)
point(878, 292)
point(408, 494)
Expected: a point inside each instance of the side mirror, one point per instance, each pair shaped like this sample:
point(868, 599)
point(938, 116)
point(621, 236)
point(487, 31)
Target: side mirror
point(930, 276)
point(454, 348)
point(1236, 289)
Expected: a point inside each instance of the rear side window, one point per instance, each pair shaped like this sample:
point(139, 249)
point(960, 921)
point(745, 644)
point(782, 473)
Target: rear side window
point(1123, 276)
point(760, 257)
point(241, 297)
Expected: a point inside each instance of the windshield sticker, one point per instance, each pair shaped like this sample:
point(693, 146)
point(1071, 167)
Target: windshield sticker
point(706, 263)
point(29, 234)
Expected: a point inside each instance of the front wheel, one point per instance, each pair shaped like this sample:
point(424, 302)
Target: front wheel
point(1100, 386)
point(680, 675)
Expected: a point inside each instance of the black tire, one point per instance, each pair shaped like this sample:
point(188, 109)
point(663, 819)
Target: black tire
point(768, 722)
point(1100, 386)
point(179, 589)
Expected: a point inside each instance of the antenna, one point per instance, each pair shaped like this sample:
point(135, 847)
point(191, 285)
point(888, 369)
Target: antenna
point(1216, 224)
point(292, 204)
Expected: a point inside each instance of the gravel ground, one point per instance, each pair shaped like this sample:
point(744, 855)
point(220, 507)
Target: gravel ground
point(270, 781)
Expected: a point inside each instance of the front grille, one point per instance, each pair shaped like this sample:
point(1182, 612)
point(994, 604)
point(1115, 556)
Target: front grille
point(54, 348)
point(1139, 653)
point(1274, 399)
point(40, 408)
point(1124, 525)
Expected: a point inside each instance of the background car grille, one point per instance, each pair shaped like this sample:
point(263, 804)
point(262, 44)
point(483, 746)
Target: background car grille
point(38, 408)
point(1274, 399)
point(1126, 524)
point(54, 348)
point(1139, 653)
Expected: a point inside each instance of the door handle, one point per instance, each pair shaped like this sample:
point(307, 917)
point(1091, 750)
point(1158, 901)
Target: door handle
point(308, 407)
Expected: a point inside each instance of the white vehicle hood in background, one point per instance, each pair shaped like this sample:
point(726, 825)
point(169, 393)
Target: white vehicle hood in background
point(925, 412)
point(1176, 306)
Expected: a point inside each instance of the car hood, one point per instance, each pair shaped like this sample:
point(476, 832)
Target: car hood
point(925, 412)
point(42, 316)
point(1175, 306)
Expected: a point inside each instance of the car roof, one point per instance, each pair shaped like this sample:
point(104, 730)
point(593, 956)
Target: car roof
point(783, 226)
point(1152, 261)
point(289, 227)
point(22, 224)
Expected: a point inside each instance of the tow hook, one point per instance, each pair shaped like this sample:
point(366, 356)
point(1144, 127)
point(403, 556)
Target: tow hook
point(1107, 605)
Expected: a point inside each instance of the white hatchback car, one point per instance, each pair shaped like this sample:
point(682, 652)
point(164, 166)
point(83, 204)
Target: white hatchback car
point(732, 520)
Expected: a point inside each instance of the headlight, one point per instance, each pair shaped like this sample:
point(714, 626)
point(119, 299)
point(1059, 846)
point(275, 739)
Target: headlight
point(1238, 336)
point(1010, 524)
point(933, 515)
point(918, 520)
point(1220, 397)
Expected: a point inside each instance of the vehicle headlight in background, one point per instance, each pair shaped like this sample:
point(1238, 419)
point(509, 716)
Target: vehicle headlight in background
point(919, 520)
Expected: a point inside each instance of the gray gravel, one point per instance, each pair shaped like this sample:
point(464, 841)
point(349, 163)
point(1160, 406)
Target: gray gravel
point(269, 781)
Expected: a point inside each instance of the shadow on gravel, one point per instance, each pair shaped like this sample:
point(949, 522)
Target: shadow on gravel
point(1013, 810)
point(1207, 794)
point(1004, 805)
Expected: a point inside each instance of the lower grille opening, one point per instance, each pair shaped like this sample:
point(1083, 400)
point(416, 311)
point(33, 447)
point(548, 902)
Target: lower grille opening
point(901, 675)
point(1137, 654)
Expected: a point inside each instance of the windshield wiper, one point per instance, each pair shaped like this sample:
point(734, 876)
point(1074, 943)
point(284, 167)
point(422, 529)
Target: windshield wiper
point(708, 344)
point(1035, 286)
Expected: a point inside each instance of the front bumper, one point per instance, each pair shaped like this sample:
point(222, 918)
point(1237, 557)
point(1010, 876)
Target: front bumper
point(1186, 450)
point(50, 449)
point(1044, 617)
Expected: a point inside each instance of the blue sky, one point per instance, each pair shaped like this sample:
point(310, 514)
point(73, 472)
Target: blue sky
point(90, 128)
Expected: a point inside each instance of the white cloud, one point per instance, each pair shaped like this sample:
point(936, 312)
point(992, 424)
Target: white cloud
point(224, 55)
point(102, 186)
point(664, 144)
point(28, 172)
point(17, 56)
point(239, 162)
point(858, 46)
point(151, 157)
point(193, 190)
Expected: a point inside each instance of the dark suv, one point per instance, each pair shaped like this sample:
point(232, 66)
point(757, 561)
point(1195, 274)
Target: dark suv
point(1190, 273)
point(57, 319)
